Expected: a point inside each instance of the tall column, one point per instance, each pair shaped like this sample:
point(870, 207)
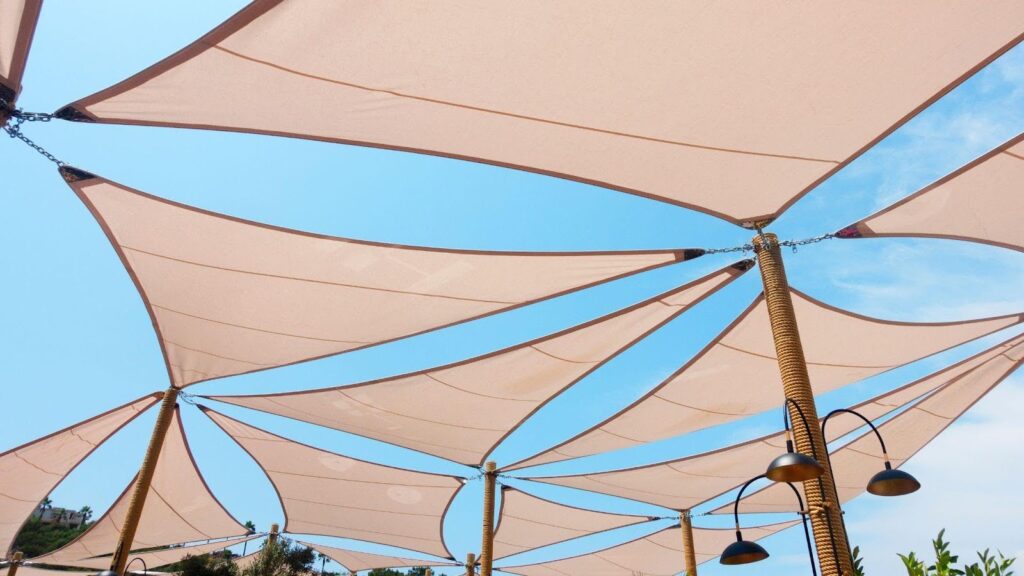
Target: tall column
point(131, 520)
point(689, 556)
point(272, 536)
point(487, 545)
point(826, 515)
point(12, 569)
point(470, 564)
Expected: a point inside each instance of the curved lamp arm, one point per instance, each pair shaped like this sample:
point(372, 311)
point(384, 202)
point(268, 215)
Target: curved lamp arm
point(736, 504)
point(802, 512)
point(885, 453)
point(803, 418)
point(145, 569)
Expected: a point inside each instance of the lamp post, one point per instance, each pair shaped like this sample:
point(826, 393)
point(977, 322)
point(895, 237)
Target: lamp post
point(888, 482)
point(745, 552)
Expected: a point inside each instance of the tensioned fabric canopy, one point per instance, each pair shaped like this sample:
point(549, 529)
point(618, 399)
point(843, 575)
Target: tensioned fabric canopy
point(355, 561)
point(688, 482)
point(905, 434)
point(981, 202)
point(230, 296)
point(737, 374)
point(759, 128)
point(163, 556)
point(179, 508)
point(334, 495)
point(27, 570)
point(31, 471)
point(463, 410)
point(658, 554)
point(17, 26)
point(526, 521)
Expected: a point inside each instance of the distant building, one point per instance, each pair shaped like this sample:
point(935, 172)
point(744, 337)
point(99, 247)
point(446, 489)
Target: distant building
point(60, 516)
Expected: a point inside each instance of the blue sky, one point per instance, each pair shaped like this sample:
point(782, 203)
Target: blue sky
point(78, 341)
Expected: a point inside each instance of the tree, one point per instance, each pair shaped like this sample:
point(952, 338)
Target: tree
point(250, 527)
point(36, 538)
point(86, 512)
point(281, 558)
point(205, 565)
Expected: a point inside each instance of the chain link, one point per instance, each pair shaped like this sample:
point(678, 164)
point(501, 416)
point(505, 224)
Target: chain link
point(17, 117)
point(794, 244)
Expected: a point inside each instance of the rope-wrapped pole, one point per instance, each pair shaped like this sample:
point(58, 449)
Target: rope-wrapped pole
point(689, 556)
point(274, 529)
point(119, 560)
point(826, 515)
point(15, 562)
point(470, 564)
point(487, 544)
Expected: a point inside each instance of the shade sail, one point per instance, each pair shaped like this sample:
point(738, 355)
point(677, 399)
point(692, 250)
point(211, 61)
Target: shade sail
point(737, 374)
point(179, 508)
point(678, 101)
point(33, 571)
point(659, 554)
point(17, 26)
point(355, 561)
point(31, 471)
point(905, 434)
point(688, 482)
point(243, 562)
point(463, 410)
point(229, 296)
point(161, 557)
point(334, 495)
point(526, 522)
point(980, 202)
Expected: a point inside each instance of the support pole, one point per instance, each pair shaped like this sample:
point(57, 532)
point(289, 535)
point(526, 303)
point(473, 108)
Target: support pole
point(487, 545)
point(470, 564)
point(15, 562)
point(689, 556)
point(272, 536)
point(142, 482)
point(826, 515)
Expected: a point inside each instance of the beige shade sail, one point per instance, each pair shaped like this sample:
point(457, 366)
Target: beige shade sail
point(355, 561)
point(31, 471)
point(155, 558)
point(905, 434)
point(981, 202)
point(333, 495)
point(463, 410)
point(659, 554)
point(737, 374)
point(678, 101)
point(229, 296)
point(688, 482)
point(243, 562)
point(27, 570)
point(179, 508)
point(526, 522)
point(18, 20)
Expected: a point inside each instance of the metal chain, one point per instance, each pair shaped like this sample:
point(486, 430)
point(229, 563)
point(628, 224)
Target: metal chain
point(17, 117)
point(794, 244)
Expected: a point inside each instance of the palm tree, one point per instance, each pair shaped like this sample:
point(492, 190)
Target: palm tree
point(86, 513)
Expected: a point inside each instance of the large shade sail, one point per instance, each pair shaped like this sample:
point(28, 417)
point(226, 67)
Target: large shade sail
point(737, 374)
point(659, 554)
point(179, 508)
point(731, 108)
point(31, 471)
point(334, 495)
point(160, 557)
point(463, 410)
point(355, 561)
point(688, 482)
point(905, 434)
point(981, 202)
point(17, 26)
point(526, 522)
point(229, 296)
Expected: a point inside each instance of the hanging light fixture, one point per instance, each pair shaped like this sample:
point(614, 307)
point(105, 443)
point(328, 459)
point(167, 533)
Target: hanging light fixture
point(888, 482)
point(793, 466)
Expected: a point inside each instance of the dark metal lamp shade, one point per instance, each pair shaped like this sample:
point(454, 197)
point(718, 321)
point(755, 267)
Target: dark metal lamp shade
point(794, 467)
point(742, 552)
point(891, 482)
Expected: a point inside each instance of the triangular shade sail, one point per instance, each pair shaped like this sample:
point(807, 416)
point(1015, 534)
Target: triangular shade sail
point(659, 554)
point(31, 471)
point(461, 411)
point(355, 561)
point(678, 101)
point(179, 508)
point(17, 26)
point(981, 202)
point(334, 495)
point(229, 296)
point(905, 434)
point(737, 374)
point(155, 558)
point(687, 482)
point(526, 522)
point(33, 571)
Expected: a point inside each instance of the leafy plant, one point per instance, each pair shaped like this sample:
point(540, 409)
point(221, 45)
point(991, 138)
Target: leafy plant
point(858, 562)
point(945, 562)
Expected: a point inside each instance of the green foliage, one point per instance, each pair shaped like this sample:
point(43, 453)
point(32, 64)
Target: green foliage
point(945, 562)
point(36, 538)
point(205, 565)
point(858, 568)
point(281, 558)
point(418, 571)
